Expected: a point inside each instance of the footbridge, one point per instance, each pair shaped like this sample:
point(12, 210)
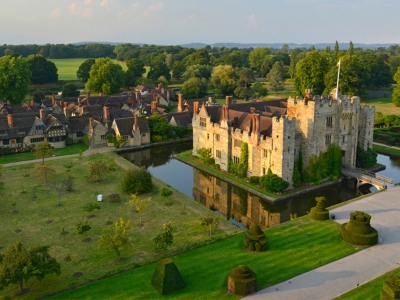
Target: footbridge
point(366, 177)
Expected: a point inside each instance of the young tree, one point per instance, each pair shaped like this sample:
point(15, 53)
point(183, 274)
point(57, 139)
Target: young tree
point(90, 206)
point(83, 228)
point(140, 205)
point(84, 69)
point(97, 170)
point(115, 239)
point(14, 86)
point(70, 90)
point(165, 193)
point(42, 150)
point(43, 171)
point(17, 264)
point(105, 77)
point(275, 80)
point(59, 186)
point(208, 222)
point(165, 238)
point(38, 96)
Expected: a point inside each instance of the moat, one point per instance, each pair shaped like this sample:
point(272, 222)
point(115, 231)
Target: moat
point(239, 206)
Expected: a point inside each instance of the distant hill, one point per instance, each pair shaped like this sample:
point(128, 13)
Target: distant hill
point(342, 46)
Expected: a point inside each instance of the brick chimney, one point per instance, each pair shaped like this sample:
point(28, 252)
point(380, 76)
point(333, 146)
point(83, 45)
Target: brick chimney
point(158, 101)
point(228, 100)
point(136, 122)
point(32, 103)
point(137, 95)
point(79, 101)
point(10, 120)
point(106, 114)
point(252, 110)
point(257, 119)
point(153, 106)
point(180, 103)
point(90, 124)
point(66, 111)
point(226, 112)
point(154, 96)
point(308, 94)
point(195, 107)
point(53, 99)
point(41, 114)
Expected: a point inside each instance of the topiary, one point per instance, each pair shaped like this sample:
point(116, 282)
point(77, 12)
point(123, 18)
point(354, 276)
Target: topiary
point(255, 236)
point(358, 230)
point(166, 278)
point(391, 288)
point(242, 281)
point(319, 212)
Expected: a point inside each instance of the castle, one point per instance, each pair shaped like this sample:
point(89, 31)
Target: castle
point(276, 131)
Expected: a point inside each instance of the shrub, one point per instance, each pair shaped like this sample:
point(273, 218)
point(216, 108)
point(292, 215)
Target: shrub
point(97, 170)
point(255, 179)
point(90, 206)
point(166, 278)
point(255, 240)
point(273, 183)
point(165, 238)
point(69, 141)
point(358, 230)
point(242, 281)
point(156, 138)
point(114, 198)
point(137, 181)
point(319, 212)
point(205, 156)
point(366, 158)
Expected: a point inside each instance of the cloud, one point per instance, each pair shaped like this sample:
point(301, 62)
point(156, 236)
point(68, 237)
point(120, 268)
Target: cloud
point(55, 13)
point(106, 2)
point(189, 19)
point(73, 9)
point(87, 13)
point(153, 8)
point(130, 11)
point(88, 2)
point(252, 22)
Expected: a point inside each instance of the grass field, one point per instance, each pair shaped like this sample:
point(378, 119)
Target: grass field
point(383, 105)
point(68, 67)
point(369, 290)
point(42, 222)
point(387, 149)
point(295, 247)
point(70, 149)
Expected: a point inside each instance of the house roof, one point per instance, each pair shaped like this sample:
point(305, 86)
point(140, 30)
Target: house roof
point(125, 125)
point(182, 119)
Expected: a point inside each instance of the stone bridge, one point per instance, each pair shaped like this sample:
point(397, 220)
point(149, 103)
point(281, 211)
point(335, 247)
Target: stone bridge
point(366, 177)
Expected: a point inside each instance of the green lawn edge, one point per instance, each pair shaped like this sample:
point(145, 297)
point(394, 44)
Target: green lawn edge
point(369, 290)
point(308, 243)
point(386, 150)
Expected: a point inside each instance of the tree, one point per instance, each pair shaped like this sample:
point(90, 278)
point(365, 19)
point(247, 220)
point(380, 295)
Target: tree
point(45, 170)
point(159, 126)
point(43, 70)
point(165, 238)
point(257, 57)
point(379, 71)
point(17, 264)
point(115, 239)
point(140, 205)
point(311, 71)
point(198, 71)
point(14, 86)
point(165, 193)
point(105, 77)
point(200, 57)
point(394, 64)
point(336, 50)
point(83, 72)
point(178, 68)
point(159, 68)
point(42, 150)
point(70, 90)
point(97, 170)
point(275, 79)
point(83, 228)
point(59, 186)
point(350, 51)
point(353, 76)
point(38, 96)
point(396, 90)
point(90, 206)
point(259, 89)
point(208, 222)
point(224, 78)
point(134, 72)
point(136, 181)
point(194, 88)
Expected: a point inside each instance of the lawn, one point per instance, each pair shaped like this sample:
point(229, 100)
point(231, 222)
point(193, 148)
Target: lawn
point(383, 105)
point(295, 247)
point(30, 205)
point(17, 157)
point(386, 149)
point(369, 290)
point(67, 67)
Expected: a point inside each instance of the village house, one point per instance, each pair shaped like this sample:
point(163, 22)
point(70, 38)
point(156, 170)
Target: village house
point(276, 131)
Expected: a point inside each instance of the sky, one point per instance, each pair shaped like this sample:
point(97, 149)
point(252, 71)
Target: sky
point(173, 22)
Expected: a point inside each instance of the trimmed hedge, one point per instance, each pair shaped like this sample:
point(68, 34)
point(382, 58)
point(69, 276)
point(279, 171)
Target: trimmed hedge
point(358, 230)
point(319, 212)
point(242, 281)
point(255, 240)
point(166, 278)
point(391, 288)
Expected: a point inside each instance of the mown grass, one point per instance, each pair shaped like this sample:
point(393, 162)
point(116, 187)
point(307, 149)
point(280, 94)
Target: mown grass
point(386, 149)
point(67, 67)
point(383, 105)
point(42, 221)
point(295, 247)
point(369, 290)
point(17, 157)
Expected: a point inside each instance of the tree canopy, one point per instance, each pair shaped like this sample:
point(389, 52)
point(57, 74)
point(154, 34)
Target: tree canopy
point(105, 77)
point(194, 88)
point(70, 90)
point(43, 70)
point(14, 86)
point(224, 79)
point(84, 69)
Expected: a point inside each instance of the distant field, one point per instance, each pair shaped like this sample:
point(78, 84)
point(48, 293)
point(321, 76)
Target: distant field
point(68, 67)
point(383, 105)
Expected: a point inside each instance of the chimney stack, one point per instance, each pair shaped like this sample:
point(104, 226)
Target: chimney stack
point(257, 123)
point(137, 95)
point(41, 114)
point(308, 94)
point(79, 101)
point(136, 123)
point(158, 101)
point(106, 114)
point(53, 99)
point(195, 107)
point(252, 110)
point(153, 106)
point(90, 124)
point(10, 120)
point(228, 100)
point(180, 103)
point(66, 111)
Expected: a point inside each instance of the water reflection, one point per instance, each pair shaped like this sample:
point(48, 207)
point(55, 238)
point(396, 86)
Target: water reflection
point(233, 203)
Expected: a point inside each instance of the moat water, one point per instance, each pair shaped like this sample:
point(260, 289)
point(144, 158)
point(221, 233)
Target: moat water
point(235, 204)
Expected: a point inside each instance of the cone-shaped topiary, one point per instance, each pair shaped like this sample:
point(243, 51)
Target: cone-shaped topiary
point(242, 281)
point(166, 278)
point(358, 230)
point(255, 240)
point(319, 212)
point(391, 288)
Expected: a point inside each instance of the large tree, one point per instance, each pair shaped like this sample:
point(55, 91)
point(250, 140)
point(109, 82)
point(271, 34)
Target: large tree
point(105, 77)
point(275, 78)
point(159, 68)
point(310, 72)
point(43, 70)
point(379, 71)
point(17, 264)
point(135, 71)
point(42, 150)
point(224, 78)
point(70, 90)
point(257, 58)
point(194, 88)
point(15, 78)
point(396, 90)
point(84, 69)
point(199, 71)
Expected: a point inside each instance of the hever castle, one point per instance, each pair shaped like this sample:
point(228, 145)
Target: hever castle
point(276, 131)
